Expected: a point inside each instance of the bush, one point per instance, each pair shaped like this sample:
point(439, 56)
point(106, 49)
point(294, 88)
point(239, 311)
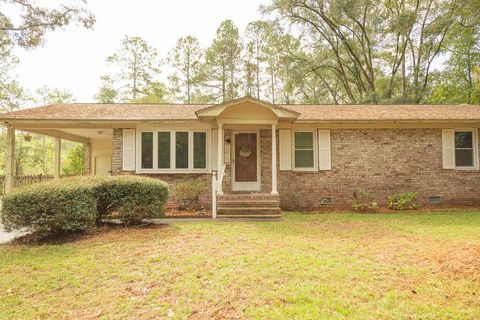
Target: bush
point(134, 198)
point(50, 207)
point(403, 201)
point(363, 201)
point(78, 204)
point(187, 194)
point(296, 198)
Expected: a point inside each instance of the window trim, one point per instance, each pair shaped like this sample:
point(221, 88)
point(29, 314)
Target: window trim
point(474, 147)
point(172, 168)
point(315, 150)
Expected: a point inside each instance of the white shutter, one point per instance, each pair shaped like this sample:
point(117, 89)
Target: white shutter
point(324, 158)
point(448, 148)
point(128, 155)
point(285, 149)
point(214, 150)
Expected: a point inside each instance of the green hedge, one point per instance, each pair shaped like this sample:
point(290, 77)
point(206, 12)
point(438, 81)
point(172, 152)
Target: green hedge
point(78, 204)
point(50, 207)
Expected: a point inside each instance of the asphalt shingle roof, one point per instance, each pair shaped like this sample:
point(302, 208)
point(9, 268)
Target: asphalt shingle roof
point(121, 112)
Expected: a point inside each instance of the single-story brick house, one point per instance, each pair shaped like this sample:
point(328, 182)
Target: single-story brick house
point(322, 152)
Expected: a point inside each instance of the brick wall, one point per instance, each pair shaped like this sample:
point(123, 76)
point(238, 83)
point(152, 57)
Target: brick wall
point(383, 161)
point(171, 179)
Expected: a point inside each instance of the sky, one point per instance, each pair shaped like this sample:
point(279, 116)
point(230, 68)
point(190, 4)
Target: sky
point(74, 58)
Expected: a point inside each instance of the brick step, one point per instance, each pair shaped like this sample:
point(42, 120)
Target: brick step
point(248, 203)
point(249, 210)
point(247, 196)
point(249, 216)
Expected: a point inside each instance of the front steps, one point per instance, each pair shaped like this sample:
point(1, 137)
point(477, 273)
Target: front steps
point(251, 205)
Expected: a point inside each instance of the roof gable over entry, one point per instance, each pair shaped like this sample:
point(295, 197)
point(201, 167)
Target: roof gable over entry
point(247, 108)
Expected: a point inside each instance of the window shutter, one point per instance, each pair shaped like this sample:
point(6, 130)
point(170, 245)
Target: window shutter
point(128, 163)
point(324, 158)
point(448, 148)
point(214, 149)
point(285, 149)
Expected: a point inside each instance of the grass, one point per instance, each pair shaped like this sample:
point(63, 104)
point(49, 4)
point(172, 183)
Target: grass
point(325, 266)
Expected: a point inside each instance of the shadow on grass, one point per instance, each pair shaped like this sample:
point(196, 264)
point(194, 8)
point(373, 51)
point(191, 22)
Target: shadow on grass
point(107, 229)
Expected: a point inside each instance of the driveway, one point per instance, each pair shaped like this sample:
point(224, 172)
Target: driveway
point(7, 236)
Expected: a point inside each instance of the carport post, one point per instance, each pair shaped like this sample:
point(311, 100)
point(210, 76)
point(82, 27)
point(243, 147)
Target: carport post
point(58, 152)
point(10, 174)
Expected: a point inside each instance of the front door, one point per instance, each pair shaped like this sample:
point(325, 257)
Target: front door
point(246, 162)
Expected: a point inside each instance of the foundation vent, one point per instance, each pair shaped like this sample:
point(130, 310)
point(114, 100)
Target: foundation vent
point(434, 199)
point(326, 201)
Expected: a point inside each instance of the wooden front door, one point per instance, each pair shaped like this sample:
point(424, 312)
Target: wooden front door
point(246, 175)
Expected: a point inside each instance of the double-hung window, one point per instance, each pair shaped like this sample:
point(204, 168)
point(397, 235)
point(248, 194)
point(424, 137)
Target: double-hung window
point(465, 148)
point(304, 146)
point(172, 151)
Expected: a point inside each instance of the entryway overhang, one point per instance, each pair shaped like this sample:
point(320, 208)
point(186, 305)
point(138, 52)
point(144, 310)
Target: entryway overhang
point(247, 110)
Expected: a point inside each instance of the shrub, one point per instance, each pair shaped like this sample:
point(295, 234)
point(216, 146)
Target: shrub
point(187, 194)
point(50, 207)
point(134, 198)
point(78, 204)
point(296, 200)
point(363, 201)
point(403, 201)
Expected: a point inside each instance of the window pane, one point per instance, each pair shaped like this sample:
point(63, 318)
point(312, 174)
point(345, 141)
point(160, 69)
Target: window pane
point(464, 158)
point(304, 158)
point(303, 140)
point(163, 150)
point(199, 150)
point(147, 150)
point(181, 150)
point(463, 139)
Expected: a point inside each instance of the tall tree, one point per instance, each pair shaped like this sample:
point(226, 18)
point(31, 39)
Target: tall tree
point(186, 60)
point(223, 63)
point(11, 93)
point(25, 23)
point(376, 50)
point(135, 67)
point(256, 43)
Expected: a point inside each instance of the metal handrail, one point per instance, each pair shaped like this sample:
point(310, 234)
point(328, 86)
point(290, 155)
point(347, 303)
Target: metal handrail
point(216, 182)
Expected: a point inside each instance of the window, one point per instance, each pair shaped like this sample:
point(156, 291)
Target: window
point(304, 145)
point(172, 151)
point(147, 150)
point(181, 150)
point(200, 150)
point(464, 149)
point(163, 150)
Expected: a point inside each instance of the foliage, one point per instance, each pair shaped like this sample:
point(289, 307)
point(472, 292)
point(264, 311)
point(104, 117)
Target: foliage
point(363, 201)
point(187, 194)
point(134, 198)
point(403, 201)
point(296, 198)
point(74, 161)
point(28, 26)
point(135, 66)
point(78, 204)
point(222, 63)
point(46, 95)
point(50, 207)
point(186, 60)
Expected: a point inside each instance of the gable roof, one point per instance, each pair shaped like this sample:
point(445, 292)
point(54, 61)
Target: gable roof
point(189, 112)
point(216, 110)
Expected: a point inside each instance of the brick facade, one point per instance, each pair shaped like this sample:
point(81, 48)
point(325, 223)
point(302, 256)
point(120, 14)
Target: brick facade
point(382, 161)
point(171, 179)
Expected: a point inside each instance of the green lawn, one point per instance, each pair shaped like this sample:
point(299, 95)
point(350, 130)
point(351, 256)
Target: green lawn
point(324, 266)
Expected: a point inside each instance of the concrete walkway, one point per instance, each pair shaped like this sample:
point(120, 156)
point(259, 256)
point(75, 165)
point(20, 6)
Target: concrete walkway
point(8, 236)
